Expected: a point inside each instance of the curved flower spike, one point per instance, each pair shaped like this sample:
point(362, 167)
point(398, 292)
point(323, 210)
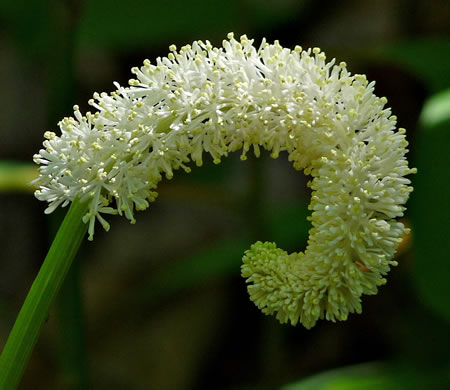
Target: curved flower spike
point(218, 100)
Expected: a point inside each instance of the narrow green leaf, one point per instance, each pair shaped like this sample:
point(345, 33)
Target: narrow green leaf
point(17, 176)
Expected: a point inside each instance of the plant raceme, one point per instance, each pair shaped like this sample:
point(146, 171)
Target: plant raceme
point(218, 100)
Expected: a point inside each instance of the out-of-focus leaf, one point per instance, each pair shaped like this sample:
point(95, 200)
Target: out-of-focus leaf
point(28, 21)
point(210, 173)
point(218, 261)
point(372, 376)
point(428, 59)
point(16, 176)
point(267, 14)
point(430, 205)
point(134, 23)
point(287, 226)
point(436, 110)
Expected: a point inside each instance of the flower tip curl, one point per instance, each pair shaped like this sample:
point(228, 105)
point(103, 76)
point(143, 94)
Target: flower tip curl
point(273, 284)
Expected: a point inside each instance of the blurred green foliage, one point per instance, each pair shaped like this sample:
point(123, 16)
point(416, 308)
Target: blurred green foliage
point(428, 59)
point(372, 376)
point(134, 23)
point(430, 205)
point(415, 339)
point(28, 21)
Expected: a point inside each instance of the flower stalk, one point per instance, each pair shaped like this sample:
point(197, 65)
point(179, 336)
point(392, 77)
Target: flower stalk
point(34, 311)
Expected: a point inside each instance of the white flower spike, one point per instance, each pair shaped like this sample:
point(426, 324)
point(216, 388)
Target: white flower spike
point(218, 100)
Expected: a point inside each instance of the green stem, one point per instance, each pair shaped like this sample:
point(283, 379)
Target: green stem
point(26, 329)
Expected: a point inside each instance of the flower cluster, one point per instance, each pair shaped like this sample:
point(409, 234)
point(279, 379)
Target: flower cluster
point(218, 100)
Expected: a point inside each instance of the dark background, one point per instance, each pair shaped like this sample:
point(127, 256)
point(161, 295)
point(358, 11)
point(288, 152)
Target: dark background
point(161, 305)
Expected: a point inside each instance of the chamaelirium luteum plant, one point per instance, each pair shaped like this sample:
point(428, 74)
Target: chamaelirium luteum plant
point(239, 97)
point(205, 99)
